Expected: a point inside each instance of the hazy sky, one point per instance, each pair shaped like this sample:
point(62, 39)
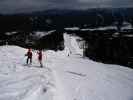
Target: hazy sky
point(18, 6)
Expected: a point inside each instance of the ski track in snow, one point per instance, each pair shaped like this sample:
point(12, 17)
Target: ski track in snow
point(75, 73)
point(62, 77)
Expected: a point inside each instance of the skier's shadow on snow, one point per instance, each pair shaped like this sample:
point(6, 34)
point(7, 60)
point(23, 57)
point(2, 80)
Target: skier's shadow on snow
point(30, 65)
point(36, 66)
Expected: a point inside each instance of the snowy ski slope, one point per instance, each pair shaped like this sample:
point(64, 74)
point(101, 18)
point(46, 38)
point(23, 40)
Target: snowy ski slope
point(62, 78)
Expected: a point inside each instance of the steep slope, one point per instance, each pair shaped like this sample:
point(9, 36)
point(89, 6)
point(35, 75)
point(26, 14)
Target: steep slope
point(71, 45)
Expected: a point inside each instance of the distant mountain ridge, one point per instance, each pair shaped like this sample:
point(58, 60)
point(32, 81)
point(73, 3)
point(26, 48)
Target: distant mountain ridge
point(70, 11)
point(60, 18)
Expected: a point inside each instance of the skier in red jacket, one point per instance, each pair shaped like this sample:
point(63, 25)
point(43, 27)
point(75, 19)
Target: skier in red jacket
point(40, 57)
point(29, 56)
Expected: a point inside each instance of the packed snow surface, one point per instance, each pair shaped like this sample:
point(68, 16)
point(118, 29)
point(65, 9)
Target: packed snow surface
point(61, 78)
